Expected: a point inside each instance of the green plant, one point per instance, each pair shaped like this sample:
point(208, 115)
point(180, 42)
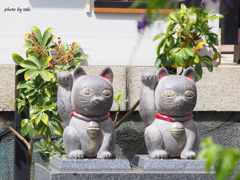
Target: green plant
point(118, 97)
point(222, 160)
point(187, 33)
point(38, 91)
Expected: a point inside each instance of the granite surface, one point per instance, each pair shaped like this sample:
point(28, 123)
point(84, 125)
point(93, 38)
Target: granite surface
point(64, 164)
point(183, 165)
point(142, 168)
point(46, 172)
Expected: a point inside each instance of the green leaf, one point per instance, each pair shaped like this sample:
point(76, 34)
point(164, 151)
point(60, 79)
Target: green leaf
point(158, 36)
point(228, 160)
point(59, 143)
point(29, 52)
point(216, 17)
point(184, 54)
point(46, 75)
point(28, 65)
point(20, 71)
point(196, 59)
point(23, 84)
point(42, 144)
point(157, 62)
point(174, 16)
point(44, 118)
point(39, 150)
point(213, 38)
point(208, 62)
point(29, 45)
point(41, 99)
point(198, 70)
point(31, 130)
point(190, 52)
point(160, 45)
point(30, 74)
point(174, 50)
point(48, 134)
point(46, 36)
point(56, 129)
point(46, 61)
point(183, 7)
point(117, 96)
point(164, 59)
point(212, 156)
point(25, 129)
point(35, 60)
point(17, 58)
point(167, 19)
point(37, 33)
point(50, 40)
point(81, 57)
point(174, 60)
point(24, 122)
point(56, 119)
point(64, 48)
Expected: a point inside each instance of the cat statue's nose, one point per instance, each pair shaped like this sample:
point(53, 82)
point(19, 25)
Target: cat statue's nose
point(180, 100)
point(96, 101)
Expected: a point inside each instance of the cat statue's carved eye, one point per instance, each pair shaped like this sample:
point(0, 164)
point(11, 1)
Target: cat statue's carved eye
point(106, 93)
point(169, 93)
point(189, 93)
point(87, 91)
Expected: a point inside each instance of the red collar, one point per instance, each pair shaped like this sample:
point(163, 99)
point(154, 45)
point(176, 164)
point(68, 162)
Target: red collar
point(90, 118)
point(174, 119)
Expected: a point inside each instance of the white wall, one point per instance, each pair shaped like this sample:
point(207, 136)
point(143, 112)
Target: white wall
point(109, 39)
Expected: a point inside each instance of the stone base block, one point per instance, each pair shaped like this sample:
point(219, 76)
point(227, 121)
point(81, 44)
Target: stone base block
point(62, 169)
point(64, 164)
point(183, 165)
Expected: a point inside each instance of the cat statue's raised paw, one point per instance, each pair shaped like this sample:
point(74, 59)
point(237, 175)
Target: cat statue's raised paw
point(84, 102)
point(166, 105)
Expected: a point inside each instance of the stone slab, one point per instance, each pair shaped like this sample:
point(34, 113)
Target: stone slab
point(46, 172)
point(217, 90)
point(7, 87)
point(178, 165)
point(65, 164)
point(134, 82)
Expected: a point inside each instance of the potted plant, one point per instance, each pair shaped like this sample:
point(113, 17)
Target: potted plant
point(188, 33)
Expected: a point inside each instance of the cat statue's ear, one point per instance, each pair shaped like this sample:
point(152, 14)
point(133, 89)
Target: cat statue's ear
point(78, 72)
point(107, 74)
point(162, 72)
point(190, 73)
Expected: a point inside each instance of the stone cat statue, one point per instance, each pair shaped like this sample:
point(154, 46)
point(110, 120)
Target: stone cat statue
point(84, 102)
point(166, 105)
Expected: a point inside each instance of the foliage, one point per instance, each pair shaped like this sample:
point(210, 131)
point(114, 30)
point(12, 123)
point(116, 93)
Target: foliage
point(222, 160)
point(119, 97)
point(187, 33)
point(38, 90)
point(43, 146)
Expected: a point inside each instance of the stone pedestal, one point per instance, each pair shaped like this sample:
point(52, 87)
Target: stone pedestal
point(142, 168)
point(65, 164)
point(177, 165)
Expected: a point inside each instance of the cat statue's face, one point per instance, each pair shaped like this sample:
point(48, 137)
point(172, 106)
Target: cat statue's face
point(92, 95)
point(176, 95)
